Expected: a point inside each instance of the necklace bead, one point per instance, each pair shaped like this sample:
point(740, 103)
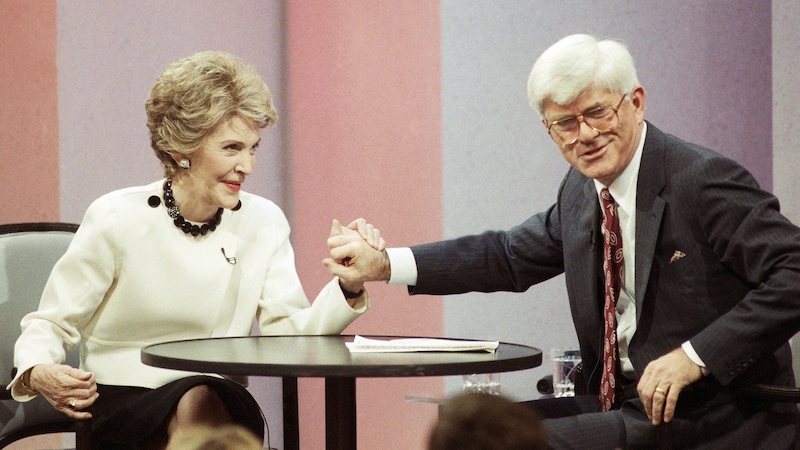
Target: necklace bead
point(180, 222)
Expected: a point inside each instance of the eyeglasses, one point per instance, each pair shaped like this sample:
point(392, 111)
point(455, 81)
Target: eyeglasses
point(602, 119)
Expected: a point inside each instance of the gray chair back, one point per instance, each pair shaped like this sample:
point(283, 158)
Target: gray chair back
point(28, 253)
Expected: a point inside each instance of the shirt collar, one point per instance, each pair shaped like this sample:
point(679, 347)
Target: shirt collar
point(623, 189)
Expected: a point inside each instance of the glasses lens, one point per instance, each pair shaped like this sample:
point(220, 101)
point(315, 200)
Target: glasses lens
point(601, 120)
point(565, 130)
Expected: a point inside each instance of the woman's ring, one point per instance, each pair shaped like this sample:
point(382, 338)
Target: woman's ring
point(661, 391)
point(73, 403)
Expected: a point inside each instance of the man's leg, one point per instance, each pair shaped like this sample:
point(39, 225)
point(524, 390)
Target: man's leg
point(602, 431)
point(577, 423)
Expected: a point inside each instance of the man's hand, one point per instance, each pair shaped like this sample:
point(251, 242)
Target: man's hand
point(662, 382)
point(68, 389)
point(357, 254)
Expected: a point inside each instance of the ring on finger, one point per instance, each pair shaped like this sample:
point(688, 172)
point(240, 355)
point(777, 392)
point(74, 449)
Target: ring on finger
point(73, 403)
point(661, 391)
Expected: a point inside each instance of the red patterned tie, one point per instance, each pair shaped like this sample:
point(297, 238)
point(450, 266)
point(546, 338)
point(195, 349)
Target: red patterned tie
point(613, 269)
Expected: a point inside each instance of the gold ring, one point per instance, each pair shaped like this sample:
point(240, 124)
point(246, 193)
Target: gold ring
point(73, 403)
point(661, 391)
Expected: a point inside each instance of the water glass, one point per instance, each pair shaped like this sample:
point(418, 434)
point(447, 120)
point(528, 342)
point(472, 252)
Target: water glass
point(565, 361)
point(482, 383)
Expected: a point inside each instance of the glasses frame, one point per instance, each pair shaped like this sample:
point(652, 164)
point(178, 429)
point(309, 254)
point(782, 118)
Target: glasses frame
point(581, 119)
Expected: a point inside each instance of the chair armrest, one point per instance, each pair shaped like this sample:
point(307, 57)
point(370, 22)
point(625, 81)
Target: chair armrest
point(783, 394)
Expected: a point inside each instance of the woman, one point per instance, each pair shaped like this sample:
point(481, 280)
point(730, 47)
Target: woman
point(188, 256)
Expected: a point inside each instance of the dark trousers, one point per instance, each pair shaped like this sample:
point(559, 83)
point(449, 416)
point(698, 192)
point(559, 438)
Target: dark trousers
point(704, 420)
point(578, 423)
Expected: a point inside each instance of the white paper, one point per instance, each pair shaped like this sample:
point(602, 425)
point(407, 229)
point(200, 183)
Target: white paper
point(361, 344)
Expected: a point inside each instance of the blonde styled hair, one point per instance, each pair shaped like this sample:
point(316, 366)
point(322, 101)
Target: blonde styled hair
point(225, 437)
point(196, 94)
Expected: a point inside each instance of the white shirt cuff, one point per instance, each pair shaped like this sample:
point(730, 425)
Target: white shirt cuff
point(689, 350)
point(404, 266)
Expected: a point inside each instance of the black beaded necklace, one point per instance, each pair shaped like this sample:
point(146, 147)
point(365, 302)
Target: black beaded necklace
point(183, 224)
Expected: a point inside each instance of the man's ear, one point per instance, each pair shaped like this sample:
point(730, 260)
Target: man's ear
point(638, 97)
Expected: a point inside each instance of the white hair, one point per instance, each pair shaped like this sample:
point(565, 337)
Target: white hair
point(578, 62)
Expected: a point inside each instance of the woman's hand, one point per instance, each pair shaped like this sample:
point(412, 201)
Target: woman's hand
point(68, 389)
point(368, 232)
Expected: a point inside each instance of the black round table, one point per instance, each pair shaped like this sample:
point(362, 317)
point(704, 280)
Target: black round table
point(327, 356)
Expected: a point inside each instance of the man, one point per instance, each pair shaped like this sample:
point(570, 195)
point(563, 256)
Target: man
point(683, 277)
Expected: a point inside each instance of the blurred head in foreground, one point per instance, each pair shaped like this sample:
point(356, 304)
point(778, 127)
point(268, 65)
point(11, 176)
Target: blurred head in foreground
point(486, 422)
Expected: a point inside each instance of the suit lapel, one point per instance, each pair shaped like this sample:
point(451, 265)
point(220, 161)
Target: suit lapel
point(583, 257)
point(649, 209)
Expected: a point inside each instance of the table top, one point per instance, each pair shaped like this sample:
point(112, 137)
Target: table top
point(327, 356)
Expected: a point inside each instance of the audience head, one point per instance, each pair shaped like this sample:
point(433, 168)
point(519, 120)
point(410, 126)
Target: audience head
point(226, 437)
point(486, 422)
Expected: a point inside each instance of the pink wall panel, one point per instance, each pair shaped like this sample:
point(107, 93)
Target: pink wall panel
point(365, 118)
point(28, 112)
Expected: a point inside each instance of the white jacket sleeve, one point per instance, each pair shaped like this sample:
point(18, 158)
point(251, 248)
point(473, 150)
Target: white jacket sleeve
point(284, 307)
point(73, 292)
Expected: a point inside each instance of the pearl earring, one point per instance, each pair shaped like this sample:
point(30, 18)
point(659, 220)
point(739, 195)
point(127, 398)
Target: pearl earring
point(185, 164)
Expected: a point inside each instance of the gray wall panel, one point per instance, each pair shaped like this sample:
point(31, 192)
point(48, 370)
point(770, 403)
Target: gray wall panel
point(706, 67)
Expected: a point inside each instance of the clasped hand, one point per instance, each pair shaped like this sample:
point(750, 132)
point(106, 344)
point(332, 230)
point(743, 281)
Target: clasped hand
point(68, 389)
point(357, 254)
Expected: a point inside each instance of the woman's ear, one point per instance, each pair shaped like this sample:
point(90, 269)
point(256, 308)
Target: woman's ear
point(177, 157)
point(180, 159)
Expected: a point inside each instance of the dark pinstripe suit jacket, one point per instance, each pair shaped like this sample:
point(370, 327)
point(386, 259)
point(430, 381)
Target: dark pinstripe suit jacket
point(716, 263)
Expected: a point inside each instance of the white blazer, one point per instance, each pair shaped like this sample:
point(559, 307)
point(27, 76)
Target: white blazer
point(132, 278)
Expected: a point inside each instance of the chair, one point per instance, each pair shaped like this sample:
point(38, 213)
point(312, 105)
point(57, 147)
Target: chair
point(28, 252)
point(781, 394)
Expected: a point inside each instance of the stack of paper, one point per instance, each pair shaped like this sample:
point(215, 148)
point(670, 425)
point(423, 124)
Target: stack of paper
point(362, 344)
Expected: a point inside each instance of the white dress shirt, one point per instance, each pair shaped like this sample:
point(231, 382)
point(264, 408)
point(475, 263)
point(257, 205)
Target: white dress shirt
point(623, 189)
